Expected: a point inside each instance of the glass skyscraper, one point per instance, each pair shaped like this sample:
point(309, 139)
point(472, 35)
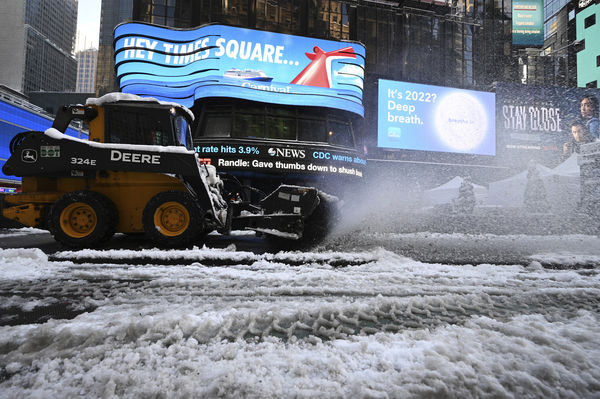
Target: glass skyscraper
point(37, 44)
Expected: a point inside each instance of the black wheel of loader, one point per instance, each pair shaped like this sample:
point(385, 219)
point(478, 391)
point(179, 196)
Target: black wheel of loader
point(322, 221)
point(82, 219)
point(317, 226)
point(173, 219)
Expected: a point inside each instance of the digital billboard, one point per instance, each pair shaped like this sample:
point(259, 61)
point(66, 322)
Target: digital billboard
point(534, 121)
point(224, 61)
point(528, 23)
point(433, 118)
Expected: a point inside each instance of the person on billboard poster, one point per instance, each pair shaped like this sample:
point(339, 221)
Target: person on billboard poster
point(589, 112)
point(580, 136)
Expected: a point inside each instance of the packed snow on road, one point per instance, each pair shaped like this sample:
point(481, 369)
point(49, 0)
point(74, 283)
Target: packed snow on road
point(363, 323)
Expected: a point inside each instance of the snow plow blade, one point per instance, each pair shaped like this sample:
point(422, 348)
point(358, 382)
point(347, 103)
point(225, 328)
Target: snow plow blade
point(283, 212)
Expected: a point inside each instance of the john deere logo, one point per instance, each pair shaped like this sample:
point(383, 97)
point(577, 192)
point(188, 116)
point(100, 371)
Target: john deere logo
point(29, 156)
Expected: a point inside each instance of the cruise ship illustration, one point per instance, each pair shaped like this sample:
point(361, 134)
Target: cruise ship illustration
point(248, 74)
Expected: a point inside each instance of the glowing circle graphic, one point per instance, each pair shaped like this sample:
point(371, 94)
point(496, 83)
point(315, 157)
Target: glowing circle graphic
point(461, 121)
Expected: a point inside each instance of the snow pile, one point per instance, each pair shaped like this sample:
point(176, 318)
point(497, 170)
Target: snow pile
point(449, 191)
point(561, 185)
point(23, 264)
point(567, 259)
point(216, 256)
point(23, 231)
point(195, 253)
point(527, 356)
point(301, 324)
point(461, 248)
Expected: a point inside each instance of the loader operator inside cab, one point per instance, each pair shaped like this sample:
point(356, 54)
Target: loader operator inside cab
point(156, 136)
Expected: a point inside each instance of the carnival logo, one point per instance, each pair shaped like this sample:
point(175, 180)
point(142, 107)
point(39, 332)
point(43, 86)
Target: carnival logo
point(286, 152)
point(29, 156)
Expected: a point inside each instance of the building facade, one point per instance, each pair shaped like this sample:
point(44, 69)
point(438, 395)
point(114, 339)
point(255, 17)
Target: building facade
point(87, 61)
point(37, 43)
point(112, 13)
point(571, 51)
point(459, 43)
point(587, 22)
point(464, 44)
point(554, 64)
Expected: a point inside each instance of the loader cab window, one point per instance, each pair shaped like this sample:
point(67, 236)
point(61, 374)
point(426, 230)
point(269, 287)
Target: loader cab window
point(138, 124)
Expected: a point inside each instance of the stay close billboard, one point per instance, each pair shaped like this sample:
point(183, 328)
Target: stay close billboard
point(536, 120)
point(432, 118)
point(224, 61)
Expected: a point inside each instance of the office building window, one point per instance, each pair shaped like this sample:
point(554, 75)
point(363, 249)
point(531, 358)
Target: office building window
point(589, 21)
point(176, 13)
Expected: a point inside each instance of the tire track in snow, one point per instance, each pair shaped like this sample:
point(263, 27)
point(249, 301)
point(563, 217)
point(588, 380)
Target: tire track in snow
point(315, 301)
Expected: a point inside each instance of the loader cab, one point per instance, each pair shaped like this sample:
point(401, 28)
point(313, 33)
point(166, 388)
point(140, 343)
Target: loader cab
point(147, 123)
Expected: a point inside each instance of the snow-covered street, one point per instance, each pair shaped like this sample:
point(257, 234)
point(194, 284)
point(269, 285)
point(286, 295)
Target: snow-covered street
point(358, 322)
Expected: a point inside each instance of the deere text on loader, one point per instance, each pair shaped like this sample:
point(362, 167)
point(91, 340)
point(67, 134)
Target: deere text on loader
point(138, 173)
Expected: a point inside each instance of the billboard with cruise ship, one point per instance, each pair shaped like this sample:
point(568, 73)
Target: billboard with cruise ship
point(224, 61)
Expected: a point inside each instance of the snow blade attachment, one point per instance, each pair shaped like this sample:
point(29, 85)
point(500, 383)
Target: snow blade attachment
point(291, 199)
point(284, 213)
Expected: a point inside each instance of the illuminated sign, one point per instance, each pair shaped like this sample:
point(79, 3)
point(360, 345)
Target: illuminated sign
point(223, 61)
point(528, 22)
point(271, 158)
point(433, 118)
point(533, 122)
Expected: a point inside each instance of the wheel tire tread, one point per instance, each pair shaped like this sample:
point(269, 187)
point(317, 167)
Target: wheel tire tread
point(106, 214)
point(189, 236)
